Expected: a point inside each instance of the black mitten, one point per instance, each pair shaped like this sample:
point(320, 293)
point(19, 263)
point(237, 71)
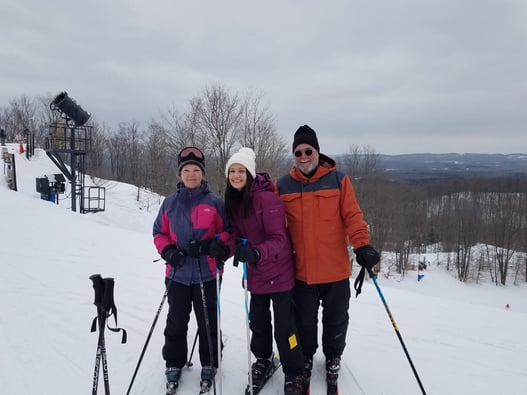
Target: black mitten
point(367, 257)
point(218, 249)
point(173, 256)
point(245, 253)
point(194, 249)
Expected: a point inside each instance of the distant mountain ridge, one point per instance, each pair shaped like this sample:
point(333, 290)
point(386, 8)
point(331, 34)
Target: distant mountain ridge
point(429, 167)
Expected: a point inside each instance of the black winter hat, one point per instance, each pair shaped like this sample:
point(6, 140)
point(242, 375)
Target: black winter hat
point(191, 155)
point(305, 135)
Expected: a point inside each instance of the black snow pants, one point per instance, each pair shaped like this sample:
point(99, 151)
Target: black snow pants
point(285, 332)
point(334, 298)
point(181, 299)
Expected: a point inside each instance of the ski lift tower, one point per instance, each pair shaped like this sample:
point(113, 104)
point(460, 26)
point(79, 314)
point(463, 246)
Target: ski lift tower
point(70, 135)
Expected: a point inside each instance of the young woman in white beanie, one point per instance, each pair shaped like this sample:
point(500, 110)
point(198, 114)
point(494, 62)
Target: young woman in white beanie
point(257, 214)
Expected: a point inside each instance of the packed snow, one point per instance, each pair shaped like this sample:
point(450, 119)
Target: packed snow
point(461, 338)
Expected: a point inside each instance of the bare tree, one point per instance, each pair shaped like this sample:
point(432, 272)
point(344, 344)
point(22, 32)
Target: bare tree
point(19, 116)
point(258, 132)
point(218, 116)
point(181, 129)
point(125, 148)
point(374, 193)
point(505, 208)
point(160, 159)
point(96, 157)
point(218, 122)
point(362, 163)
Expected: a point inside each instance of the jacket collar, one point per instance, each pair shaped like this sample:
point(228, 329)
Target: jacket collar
point(325, 165)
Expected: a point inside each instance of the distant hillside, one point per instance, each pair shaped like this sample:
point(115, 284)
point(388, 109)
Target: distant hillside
point(432, 167)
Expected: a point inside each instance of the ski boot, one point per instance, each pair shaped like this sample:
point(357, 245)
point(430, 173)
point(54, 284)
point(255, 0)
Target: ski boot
point(173, 375)
point(308, 366)
point(207, 378)
point(259, 370)
point(294, 385)
point(332, 375)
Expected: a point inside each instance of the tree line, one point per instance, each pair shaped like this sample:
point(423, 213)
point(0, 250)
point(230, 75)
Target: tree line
point(454, 215)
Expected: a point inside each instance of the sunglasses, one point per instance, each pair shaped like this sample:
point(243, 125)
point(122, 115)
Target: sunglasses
point(308, 152)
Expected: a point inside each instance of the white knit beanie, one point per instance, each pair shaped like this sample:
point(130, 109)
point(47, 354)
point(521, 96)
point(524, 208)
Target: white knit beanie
point(246, 157)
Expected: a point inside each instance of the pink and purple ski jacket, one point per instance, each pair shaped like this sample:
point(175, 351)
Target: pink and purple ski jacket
point(187, 215)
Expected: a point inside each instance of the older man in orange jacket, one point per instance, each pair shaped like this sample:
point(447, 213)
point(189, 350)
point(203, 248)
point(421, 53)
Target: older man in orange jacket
point(323, 216)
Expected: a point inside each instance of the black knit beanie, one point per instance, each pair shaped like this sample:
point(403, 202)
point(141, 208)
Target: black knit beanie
point(305, 135)
point(191, 155)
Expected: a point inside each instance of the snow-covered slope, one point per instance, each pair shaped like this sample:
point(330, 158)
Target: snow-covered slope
point(461, 337)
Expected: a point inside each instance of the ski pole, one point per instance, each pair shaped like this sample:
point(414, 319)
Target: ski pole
point(218, 264)
point(151, 331)
point(247, 318)
point(218, 326)
point(207, 322)
point(374, 278)
point(99, 288)
point(189, 362)
point(107, 305)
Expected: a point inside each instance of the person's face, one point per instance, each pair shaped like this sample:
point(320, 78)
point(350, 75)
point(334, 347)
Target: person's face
point(191, 175)
point(306, 158)
point(237, 176)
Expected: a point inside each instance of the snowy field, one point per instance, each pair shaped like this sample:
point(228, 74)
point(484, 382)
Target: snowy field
point(461, 337)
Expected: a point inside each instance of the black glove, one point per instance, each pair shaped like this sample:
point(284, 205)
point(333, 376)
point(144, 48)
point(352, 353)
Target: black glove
point(173, 256)
point(245, 253)
point(367, 257)
point(218, 249)
point(195, 248)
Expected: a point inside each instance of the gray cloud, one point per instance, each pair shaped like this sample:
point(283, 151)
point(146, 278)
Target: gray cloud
point(400, 76)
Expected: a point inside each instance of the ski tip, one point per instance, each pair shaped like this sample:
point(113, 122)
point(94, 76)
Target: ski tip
point(205, 388)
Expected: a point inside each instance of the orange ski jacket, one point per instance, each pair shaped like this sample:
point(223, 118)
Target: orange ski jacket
point(323, 217)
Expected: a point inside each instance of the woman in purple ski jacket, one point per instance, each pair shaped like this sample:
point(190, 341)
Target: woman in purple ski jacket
point(191, 234)
point(257, 214)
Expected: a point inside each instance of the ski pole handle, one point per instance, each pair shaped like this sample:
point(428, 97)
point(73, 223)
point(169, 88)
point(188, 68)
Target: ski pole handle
point(98, 287)
point(219, 262)
point(107, 301)
point(243, 241)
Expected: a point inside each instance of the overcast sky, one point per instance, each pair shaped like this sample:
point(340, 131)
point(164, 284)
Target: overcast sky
point(400, 76)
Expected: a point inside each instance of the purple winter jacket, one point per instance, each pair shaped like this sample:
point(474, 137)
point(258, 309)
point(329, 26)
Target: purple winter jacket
point(265, 229)
point(191, 215)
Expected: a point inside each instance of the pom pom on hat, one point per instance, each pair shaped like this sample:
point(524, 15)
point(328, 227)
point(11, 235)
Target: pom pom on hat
point(246, 157)
point(306, 135)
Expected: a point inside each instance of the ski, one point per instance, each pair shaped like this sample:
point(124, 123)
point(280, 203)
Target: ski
point(171, 389)
point(206, 386)
point(332, 387)
point(332, 375)
point(256, 389)
point(332, 390)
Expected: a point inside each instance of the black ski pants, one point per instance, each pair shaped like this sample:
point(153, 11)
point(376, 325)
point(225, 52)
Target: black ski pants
point(181, 299)
point(334, 298)
point(285, 333)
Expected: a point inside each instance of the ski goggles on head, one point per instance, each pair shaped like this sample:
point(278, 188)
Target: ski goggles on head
point(191, 153)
